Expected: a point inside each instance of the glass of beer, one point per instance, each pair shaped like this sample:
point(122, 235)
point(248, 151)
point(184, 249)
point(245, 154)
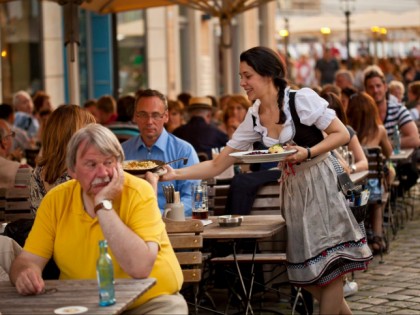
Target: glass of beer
point(200, 208)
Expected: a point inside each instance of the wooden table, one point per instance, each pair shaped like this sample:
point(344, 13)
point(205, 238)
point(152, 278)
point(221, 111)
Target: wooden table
point(404, 155)
point(359, 177)
point(61, 293)
point(253, 227)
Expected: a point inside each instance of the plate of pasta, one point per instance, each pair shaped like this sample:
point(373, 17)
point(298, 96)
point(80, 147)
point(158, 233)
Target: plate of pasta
point(136, 167)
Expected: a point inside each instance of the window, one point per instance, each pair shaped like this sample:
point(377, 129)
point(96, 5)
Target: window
point(20, 41)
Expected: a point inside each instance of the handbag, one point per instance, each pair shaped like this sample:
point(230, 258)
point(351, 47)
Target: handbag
point(353, 194)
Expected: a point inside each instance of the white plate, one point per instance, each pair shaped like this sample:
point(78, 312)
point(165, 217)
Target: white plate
point(160, 171)
point(71, 310)
point(264, 157)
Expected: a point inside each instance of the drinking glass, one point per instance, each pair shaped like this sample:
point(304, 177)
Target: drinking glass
point(200, 208)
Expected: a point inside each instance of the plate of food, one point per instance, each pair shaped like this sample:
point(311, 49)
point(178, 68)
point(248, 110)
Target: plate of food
point(141, 167)
point(275, 153)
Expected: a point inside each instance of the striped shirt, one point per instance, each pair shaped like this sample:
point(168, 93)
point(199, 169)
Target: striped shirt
point(396, 114)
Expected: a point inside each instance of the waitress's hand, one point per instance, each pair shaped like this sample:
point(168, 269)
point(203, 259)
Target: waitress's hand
point(170, 175)
point(301, 154)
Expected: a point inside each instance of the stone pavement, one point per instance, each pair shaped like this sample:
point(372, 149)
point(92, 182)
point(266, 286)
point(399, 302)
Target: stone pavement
point(392, 287)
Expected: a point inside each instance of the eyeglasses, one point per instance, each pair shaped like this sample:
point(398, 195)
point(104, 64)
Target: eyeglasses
point(156, 116)
point(11, 134)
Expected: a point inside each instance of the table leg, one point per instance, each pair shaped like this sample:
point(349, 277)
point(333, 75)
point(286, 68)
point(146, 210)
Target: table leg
point(247, 294)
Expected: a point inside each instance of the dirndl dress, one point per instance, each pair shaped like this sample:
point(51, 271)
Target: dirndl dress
point(324, 240)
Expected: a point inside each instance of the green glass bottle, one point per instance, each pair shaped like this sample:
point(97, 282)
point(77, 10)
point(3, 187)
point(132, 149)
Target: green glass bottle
point(105, 275)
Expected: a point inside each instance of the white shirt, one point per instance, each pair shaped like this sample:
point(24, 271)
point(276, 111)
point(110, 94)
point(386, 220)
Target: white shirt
point(310, 107)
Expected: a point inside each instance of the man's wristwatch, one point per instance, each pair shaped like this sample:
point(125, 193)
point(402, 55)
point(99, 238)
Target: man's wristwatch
point(103, 205)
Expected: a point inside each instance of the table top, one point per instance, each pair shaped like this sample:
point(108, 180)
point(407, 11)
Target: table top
point(404, 154)
point(358, 177)
point(61, 293)
point(253, 226)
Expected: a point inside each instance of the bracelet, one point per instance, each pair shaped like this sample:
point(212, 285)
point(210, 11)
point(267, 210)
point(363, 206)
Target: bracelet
point(309, 153)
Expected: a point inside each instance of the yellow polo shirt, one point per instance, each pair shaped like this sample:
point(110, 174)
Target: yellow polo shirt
point(64, 230)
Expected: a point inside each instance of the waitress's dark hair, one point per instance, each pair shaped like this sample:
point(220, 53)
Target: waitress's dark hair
point(267, 63)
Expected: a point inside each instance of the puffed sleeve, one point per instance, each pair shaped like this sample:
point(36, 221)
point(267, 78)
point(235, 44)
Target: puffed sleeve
point(313, 109)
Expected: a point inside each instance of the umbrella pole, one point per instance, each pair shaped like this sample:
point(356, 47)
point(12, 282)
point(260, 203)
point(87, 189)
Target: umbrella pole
point(73, 73)
point(226, 45)
point(71, 26)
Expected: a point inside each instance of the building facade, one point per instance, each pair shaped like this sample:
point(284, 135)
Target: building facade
point(172, 49)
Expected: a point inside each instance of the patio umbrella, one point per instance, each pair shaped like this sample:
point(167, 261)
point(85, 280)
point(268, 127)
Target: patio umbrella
point(71, 30)
point(224, 10)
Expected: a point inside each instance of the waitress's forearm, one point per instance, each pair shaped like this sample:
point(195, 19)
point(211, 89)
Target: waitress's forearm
point(331, 142)
point(206, 169)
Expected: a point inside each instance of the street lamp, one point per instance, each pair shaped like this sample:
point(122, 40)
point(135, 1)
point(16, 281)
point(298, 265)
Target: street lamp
point(376, 30)
point(383, 31)
point(284, 33)
point(325, 31)
point(348, 7)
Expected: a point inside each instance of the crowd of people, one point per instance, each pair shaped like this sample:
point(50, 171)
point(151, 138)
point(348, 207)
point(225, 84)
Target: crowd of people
point(81, 149)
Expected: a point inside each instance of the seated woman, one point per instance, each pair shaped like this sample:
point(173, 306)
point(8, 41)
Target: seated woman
point(360, 160)
point(51, 167)
point(363, 115)
point(236, 108)
point(176, 115)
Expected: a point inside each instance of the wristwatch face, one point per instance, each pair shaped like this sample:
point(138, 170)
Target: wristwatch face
point(104, 205)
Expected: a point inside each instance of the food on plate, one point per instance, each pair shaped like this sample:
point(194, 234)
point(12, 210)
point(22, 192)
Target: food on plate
point(257, 153)
point(277, 148)
point(139, 165)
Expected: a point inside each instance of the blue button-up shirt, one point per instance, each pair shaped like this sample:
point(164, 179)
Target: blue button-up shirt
point(166, 148)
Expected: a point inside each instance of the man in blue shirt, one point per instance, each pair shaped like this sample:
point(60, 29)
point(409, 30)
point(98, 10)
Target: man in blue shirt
point(155, 143)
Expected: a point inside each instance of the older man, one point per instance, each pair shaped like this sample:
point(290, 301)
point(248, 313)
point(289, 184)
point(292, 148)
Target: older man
point(155, 143)
point(102, 202)
point(9, 170)
point(24, 118)
point(22, 141)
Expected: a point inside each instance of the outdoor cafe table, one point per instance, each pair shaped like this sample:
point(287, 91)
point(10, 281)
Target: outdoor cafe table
point(61, 293)
point(404, 155)
point(254, 227)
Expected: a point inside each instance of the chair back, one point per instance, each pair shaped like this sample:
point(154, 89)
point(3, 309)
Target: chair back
point(376, 162)
point(187, 241)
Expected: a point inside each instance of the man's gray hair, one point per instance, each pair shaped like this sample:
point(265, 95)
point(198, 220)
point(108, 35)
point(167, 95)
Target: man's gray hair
point(347, 74)
point(16, 100)
point(93, 135)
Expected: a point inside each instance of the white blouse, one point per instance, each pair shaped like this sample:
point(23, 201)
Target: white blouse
point(310, 107)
